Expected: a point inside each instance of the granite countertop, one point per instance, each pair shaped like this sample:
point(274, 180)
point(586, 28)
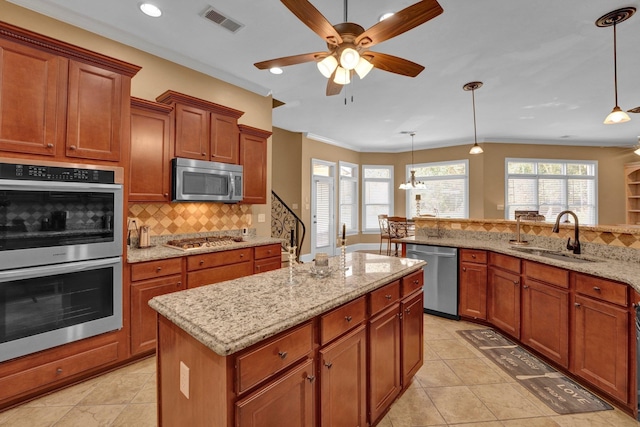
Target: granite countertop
point(230, 316)
point(160, 251)
point(623, 271)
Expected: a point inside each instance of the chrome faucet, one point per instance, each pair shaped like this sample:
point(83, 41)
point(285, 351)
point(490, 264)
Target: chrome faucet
point(575, 247)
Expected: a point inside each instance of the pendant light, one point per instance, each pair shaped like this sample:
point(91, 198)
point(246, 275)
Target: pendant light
point(412, 183)
point(608, 20)
point(472, 86)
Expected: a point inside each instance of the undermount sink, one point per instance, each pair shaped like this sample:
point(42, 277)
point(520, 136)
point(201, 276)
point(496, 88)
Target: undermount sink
point(549, 253)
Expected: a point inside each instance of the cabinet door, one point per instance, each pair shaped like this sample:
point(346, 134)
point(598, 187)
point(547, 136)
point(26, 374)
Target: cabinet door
point(473, 290)
point(343, 382)
point(267, 264)
point(253, 157)
point(504, 301)
point(225, 143)
point(192, 132)
point(32, 99)
point(150, 169)
point(143, 317)
point(288, 400)
point(545, 320)
point(384, 361)
point(412, 343)
point(95, 112)
point(601, 346)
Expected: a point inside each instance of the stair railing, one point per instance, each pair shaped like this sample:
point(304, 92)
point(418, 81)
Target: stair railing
point(283, 221)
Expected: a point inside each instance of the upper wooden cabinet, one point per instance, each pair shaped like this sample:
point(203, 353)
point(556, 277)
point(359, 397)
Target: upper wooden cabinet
point(150, 158)
point(632, 180)
point(253, 158)
point(60, 100)
point(203, 130)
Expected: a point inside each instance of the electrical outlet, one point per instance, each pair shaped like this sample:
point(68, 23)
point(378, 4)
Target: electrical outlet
point(261, 218)
point(184, 379)
point(133, 224)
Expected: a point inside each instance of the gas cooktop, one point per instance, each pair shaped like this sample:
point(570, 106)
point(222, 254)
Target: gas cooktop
point(202, 242)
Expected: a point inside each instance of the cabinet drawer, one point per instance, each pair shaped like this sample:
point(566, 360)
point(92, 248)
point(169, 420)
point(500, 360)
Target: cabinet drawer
point(267, 264)
point(473, 255)
point(412, 282)
point(267, 251)
point(601, 289)
point(218, 274)
point(153, 269)
point(342, 319)
point(259, 364)
point(505, 262)
point(216, 259)
point(384, 297)
point(49, 373)
point(546, 273)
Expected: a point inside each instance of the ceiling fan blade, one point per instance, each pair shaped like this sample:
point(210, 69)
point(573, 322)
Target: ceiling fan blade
point(290, 60)
point(312, 18)
point(634, 110)
point(400, 22)
point(333, 88)
point(393, 64)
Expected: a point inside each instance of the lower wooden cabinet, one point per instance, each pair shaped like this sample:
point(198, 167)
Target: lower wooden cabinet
point(504, 301)
point(412, 321)
point(473, 290)
point(343, 381)
point(289, 400)
point(267, 258)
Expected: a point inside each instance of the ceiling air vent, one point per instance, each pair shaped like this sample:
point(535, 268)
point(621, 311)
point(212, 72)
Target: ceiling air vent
point(220, 19)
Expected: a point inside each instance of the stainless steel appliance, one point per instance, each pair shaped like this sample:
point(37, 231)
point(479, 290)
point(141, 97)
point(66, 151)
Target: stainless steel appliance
point(60, 254)
point(440, 278)
point(196, 180)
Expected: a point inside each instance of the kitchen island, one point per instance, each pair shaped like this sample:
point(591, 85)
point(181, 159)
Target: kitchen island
point(251, 348)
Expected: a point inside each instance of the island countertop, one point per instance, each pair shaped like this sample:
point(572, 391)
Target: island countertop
point(230, 316)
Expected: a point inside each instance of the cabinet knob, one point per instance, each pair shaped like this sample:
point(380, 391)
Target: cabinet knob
point(596, 288)
point(49, 145)
point(72, 147)
point(241, 255)
point(415, 282)
point(516, 282)
point(58, 371)
point(201, 261)
point(408, 311)
point(158, 269)
point(464, 268)
point(348, 318)
point(311, 378)
point(166, 194)
point(179, 284)
point(577, 304)
point(525, 287)
point(328, 365)
point(473, 256)
point(388, 297)
point(203, 154)
point(282, 354)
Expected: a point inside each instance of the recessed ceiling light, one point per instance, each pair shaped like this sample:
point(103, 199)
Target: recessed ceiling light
point(150, 10)
point(276, 70)
point(385, 16)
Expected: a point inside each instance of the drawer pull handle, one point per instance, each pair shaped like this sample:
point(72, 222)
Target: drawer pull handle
point(49, 145)
point(311, 378)
point(328, 365)
point(201, 261)
point(473, 256)
point(408, 311)
point(241, 255)
point(577, 304)
point(72, 147)
point(415, 282)
point(347, 318)
point(158, 269)
point(525, 287)
point(179, 284)
point(203, 154)
point(58, 371)
point(388, 297)
point(516, 282)
point(282, 354)
point(596, 288)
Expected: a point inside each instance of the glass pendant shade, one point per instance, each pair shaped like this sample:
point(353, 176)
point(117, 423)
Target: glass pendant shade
point(363, 67)
point(616, 116)
point(349, 58)
point(327, 66)
point(476, 149)
point(342, 76)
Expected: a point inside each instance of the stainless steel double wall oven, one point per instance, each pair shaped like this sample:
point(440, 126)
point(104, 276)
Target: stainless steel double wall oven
point(60, 254)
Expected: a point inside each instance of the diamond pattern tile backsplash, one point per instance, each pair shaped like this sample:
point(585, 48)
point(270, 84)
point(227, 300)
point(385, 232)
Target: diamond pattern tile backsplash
point(188, 218)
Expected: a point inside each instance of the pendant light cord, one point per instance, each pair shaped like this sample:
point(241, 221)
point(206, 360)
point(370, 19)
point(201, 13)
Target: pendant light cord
point(473, 102)
point(615, 64)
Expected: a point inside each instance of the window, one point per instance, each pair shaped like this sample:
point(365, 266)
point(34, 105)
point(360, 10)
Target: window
point(447, 192)
point(377, 184)
point(349, 197)
point(551, 186)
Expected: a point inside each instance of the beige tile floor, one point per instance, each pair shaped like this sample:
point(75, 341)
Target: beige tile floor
point(457, 386)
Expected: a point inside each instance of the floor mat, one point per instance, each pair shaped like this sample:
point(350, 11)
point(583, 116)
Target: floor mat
point(557, 391)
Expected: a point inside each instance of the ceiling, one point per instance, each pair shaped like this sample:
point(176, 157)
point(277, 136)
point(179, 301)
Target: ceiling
point(547, 69)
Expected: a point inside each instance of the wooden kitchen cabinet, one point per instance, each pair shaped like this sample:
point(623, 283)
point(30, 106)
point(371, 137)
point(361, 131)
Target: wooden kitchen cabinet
point(150, 279)
point(267, 258)
point(601, 335)
point(150, 158)
point(343, 380)
point(253, 158)
point(215, 267)
point(203, 130)
point(503, 296)
point(472, 281)
point(411, 326)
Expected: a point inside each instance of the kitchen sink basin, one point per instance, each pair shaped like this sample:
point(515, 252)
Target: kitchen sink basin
point(552, 254)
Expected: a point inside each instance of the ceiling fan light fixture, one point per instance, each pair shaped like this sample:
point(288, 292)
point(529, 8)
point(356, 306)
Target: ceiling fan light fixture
point(342, 77)
point(276, 70)
point(327, 66)
point(363, 67)
point(349, 58)
point(616, 116)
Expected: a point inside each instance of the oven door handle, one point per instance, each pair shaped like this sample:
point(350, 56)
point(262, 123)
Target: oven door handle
point(51, 270)
point(17, 184)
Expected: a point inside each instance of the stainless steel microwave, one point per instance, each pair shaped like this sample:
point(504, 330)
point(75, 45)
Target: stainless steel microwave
point(200, 181)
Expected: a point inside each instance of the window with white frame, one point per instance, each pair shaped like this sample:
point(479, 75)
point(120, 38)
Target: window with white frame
point(552, 186)
point(447, 190)
point(377, 198)
point(349, 197)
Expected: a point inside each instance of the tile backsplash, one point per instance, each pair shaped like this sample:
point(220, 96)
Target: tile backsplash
point(188, 218)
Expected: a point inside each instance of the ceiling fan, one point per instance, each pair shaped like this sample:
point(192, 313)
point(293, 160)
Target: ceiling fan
point(348, 43)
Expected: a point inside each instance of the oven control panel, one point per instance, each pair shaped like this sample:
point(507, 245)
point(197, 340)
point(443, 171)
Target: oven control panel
point(55, 173)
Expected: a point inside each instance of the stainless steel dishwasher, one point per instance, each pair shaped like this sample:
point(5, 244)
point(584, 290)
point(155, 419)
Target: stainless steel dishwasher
point(440, 278)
